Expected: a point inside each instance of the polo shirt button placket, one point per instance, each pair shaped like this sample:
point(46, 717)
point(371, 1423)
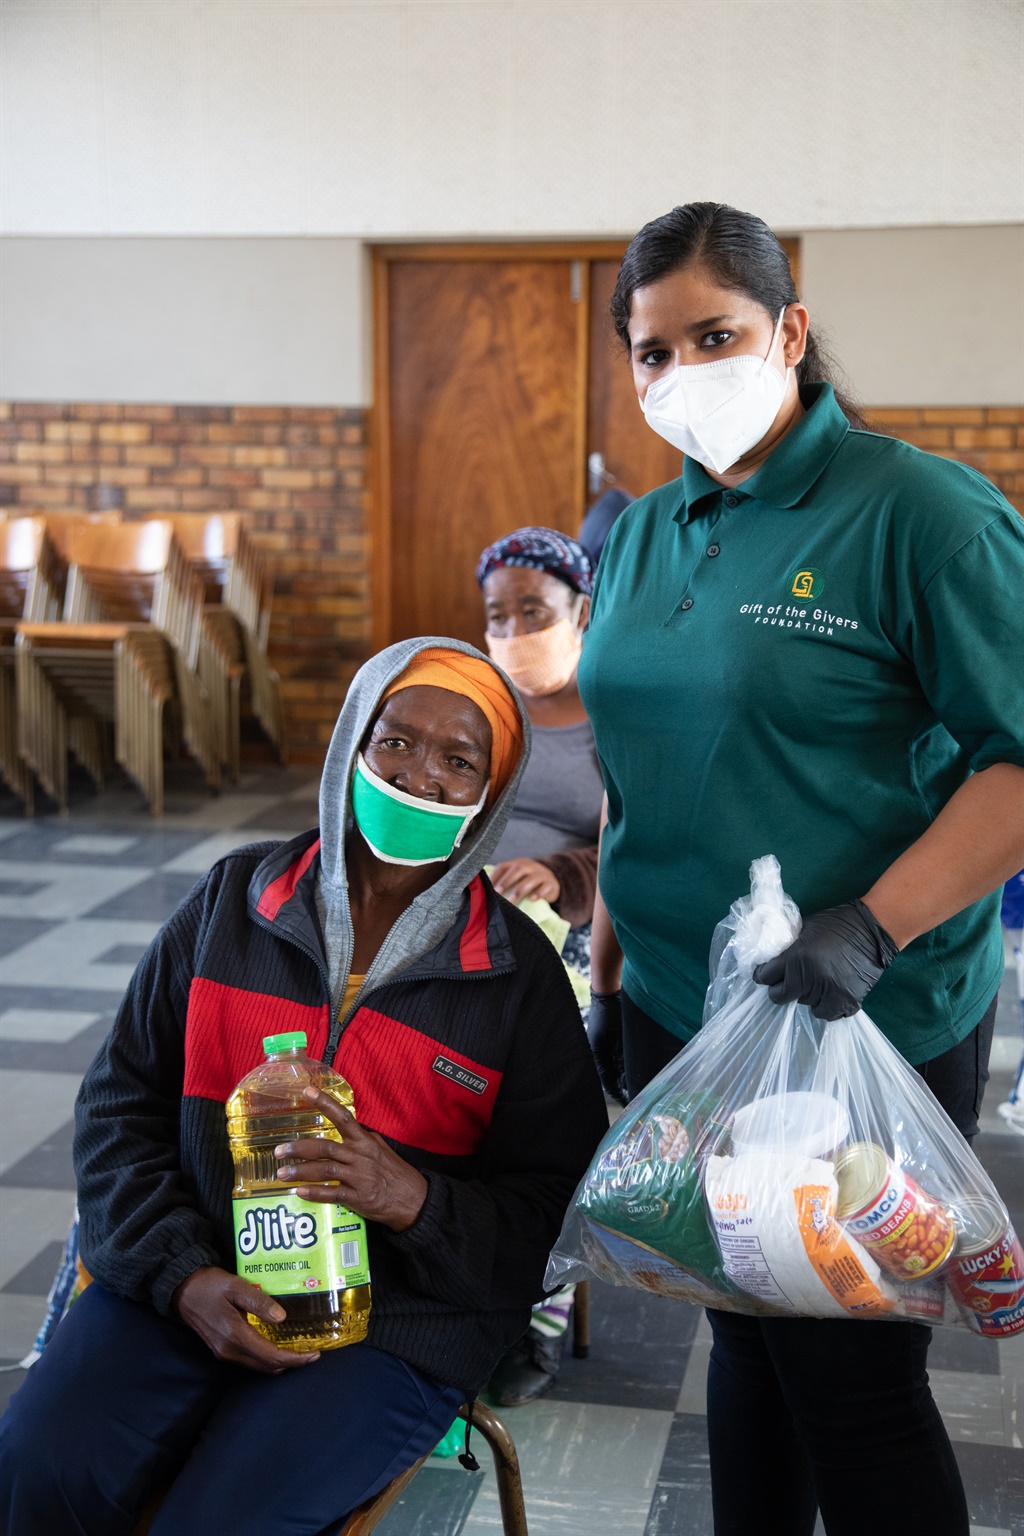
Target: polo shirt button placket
point(731, 501)
point(713, 550)
point(686, 604)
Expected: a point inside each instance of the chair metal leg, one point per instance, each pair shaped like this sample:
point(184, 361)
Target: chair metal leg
point(506, 1466)
point(581, 1320)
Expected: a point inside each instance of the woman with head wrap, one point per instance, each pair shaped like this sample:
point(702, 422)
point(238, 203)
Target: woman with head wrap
point(477, 1110)
point(536, 589)
point(536, 586)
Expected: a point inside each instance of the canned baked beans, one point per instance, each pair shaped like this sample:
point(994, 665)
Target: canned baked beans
point(909, 1233)
point(986, 1277)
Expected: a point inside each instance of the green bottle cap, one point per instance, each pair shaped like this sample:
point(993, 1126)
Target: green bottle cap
point(275, 1045)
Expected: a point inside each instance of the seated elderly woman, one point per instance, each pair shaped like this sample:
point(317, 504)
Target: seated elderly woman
point(380, 938)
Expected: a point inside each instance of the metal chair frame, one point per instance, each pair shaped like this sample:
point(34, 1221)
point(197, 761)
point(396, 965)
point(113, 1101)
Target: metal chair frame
point(506, 1470)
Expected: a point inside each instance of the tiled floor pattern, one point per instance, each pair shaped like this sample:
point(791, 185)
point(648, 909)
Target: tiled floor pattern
point(620, 1445)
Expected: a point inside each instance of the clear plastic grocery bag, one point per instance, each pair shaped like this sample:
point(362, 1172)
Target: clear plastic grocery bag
point(784, 1166)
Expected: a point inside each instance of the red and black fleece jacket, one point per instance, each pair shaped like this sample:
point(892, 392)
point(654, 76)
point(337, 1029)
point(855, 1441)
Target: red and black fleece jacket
point(472, 1063)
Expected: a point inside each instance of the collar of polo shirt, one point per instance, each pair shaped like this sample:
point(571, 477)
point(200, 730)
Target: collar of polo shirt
point(788, 474)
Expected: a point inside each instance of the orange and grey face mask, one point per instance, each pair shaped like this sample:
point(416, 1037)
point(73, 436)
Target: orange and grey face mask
point(541, 662)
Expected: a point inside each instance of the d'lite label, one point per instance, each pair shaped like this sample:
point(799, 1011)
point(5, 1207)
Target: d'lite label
point(280, 1228)
point(290, 1247)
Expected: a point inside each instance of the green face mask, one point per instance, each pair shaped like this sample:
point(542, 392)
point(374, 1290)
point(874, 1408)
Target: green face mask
point(402, 829)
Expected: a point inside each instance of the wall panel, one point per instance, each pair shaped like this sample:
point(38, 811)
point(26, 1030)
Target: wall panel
point(916, 316)
point(529, 117)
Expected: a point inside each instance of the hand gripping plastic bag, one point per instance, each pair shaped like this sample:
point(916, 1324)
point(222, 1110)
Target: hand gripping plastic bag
point(784, 1166)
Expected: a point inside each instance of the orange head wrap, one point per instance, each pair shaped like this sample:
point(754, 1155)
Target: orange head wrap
point(475, 679)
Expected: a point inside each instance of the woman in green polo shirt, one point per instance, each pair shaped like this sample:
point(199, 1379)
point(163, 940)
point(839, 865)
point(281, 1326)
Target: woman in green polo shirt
point(808, 645)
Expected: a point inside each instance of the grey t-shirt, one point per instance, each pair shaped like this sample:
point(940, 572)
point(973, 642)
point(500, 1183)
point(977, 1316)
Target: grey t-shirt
point(559, 801)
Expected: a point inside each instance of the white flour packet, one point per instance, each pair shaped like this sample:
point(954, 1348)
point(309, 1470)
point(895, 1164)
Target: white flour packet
point(774, 1215)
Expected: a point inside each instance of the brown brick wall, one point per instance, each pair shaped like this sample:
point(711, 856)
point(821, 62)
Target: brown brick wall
point(988, 437)
point(300, 473)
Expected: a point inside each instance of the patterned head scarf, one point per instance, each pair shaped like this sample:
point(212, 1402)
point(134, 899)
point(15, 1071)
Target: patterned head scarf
point(540, 549)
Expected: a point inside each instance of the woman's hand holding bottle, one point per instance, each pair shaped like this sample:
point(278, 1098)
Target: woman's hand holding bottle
point(361, 1171)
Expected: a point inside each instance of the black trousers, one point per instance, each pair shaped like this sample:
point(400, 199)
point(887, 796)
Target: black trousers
point(813, 1413)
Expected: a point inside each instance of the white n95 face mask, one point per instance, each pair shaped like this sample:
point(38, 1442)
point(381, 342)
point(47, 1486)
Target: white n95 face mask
point(715, 412)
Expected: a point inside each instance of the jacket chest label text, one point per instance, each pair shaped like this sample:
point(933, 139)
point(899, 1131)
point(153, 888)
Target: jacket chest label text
point(461, 1075)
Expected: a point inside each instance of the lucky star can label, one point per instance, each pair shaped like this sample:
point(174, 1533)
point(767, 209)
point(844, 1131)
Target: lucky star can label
point(986, 1276)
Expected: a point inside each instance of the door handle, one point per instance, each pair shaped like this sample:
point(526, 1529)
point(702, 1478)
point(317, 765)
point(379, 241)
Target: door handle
point(597, 475)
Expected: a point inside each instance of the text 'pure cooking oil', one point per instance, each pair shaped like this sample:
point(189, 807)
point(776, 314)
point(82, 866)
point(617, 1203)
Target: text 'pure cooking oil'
point(310, 1257)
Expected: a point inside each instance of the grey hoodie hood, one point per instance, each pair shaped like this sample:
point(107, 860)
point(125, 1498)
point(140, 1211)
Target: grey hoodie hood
point(429, 917)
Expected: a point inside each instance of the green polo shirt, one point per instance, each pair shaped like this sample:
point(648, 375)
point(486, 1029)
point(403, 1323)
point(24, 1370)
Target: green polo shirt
point(808, 665)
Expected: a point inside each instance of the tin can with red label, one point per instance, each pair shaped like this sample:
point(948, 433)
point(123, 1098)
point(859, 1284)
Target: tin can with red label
point(909, 1233)
point(924, 1299)
point(986, 1277)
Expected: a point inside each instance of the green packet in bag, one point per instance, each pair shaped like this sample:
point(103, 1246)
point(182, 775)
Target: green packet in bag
point(646, 1185)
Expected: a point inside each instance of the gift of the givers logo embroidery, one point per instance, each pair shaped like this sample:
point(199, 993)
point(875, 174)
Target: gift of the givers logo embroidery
point(457, 1074)
point(806, 581)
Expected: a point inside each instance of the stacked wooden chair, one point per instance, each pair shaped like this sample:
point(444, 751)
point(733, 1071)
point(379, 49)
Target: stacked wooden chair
point(207, 541)
point(61, 525)
point(124, 656)
point(237, 612)
point(31, 588)
point(248, 596)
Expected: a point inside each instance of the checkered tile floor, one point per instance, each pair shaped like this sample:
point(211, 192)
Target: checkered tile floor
point(619, 1446)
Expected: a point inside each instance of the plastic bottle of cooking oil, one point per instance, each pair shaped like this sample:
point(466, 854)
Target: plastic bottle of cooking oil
point(310, 1257)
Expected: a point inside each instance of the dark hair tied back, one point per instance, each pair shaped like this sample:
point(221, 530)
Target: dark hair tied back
point(736, 250)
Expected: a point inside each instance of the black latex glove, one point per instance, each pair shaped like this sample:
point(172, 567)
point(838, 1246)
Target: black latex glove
point(604, 1031)
point(833, 965)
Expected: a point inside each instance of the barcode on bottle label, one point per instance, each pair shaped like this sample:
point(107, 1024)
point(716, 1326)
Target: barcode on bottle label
point(349, 1255)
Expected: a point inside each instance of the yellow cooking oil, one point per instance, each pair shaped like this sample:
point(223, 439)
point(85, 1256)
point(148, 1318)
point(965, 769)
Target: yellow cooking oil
point(310, 1257)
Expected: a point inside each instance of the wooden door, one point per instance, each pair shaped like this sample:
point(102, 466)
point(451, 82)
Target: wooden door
point(482, 428)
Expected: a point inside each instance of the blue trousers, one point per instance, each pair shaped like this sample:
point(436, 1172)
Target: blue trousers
point(124, 1402)
point(814, 1413)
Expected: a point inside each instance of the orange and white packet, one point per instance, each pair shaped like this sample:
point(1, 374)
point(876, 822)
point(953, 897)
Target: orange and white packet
point(774, 1216)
